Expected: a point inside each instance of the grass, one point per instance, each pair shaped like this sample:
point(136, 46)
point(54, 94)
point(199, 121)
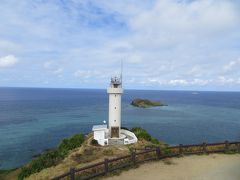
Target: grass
point(108, 152)
point(52, 157)
point(5, 172)
point(143, 134)
point(90, 152)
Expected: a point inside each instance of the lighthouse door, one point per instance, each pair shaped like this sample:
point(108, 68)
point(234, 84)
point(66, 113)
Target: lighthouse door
point(115, 132)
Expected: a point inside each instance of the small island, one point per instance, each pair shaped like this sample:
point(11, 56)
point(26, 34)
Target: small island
point(145, 103)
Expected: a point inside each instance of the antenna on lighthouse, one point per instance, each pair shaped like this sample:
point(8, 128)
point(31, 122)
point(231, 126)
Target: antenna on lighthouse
point(121, 70)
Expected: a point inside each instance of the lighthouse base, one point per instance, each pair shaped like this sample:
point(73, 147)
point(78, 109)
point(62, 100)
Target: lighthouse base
point(120, 140)
point(102, 135)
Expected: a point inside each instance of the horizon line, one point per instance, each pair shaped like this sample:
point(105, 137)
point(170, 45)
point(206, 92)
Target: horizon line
point(191, 90)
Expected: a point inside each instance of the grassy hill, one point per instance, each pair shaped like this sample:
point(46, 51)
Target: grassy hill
point(76, 151)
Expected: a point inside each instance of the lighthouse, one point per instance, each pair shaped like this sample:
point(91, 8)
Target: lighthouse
point(115, 92)
point(113, 134)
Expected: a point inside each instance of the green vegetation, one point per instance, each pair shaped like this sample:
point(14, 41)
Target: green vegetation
point(145, 103)
point(143, 134)
point(165, 149)
point(55, 156)
point(4, 171)
point(154, 140)
point(71, 143)
point(90, 153)
point(94, 142)
point(52, 157)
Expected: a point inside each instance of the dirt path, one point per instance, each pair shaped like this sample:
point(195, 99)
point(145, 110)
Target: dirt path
point(205, 167)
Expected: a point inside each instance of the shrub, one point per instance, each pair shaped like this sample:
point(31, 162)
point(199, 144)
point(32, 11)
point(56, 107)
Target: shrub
point(45, 160)
point(53, 157)
point(154, 140)
point(94, 142)
point(166, 150)
point(141, 133)
point(71, 143)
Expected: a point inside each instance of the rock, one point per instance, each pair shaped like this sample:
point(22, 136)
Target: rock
point(145, 103)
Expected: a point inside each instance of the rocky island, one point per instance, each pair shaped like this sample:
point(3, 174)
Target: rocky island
point(145, 103)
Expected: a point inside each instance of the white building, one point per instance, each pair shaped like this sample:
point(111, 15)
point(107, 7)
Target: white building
point(113, 134)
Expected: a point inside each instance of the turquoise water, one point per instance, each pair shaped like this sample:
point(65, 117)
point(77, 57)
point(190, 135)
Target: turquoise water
point(32, 119)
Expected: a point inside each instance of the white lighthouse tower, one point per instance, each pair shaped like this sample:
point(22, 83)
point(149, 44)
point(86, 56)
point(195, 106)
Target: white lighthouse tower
point(115, 92)
point(113, 134)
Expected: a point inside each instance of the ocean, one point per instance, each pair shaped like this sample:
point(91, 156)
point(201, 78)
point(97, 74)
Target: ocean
point(35, 119)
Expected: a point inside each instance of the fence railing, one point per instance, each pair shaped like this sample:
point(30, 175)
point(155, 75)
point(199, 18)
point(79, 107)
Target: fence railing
point(148, 153)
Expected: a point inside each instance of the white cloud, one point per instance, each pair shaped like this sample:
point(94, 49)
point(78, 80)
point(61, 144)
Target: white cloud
point(86, 74)
point(8, 61)
point(231, 65)
point(53, 68)
point(6, 45)
point(57, 71)
point(198, 17)
point(47, 64)
point(200, 82)
point(196, 71)
point(178, 82)
point(225, 80)
point(164, 43)
point(82, 74)
point(133, 58)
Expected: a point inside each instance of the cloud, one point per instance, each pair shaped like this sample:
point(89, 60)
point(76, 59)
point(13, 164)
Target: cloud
point(178, 82)
point(53, 68)
point(196, 17)
point(83, 74)
point(57, 71)
point(7, 46)
point(164, 44)
point(47, 64)
point(231, 65)
point(200, 82)
point(8, 61)
point(224, 80)
point(196, 71)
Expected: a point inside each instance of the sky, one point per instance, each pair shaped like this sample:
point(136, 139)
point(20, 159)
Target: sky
point(164, 44)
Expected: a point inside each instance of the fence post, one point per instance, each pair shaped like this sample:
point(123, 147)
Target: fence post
point(133, 158)
point(226, 146)
point(158, 152)
point(72, 173)
point(180, 149)
point(238, 147)
point(204, 147)
point(106, 166)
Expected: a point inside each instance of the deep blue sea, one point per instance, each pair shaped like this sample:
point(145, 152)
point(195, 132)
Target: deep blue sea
point(32, 119)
